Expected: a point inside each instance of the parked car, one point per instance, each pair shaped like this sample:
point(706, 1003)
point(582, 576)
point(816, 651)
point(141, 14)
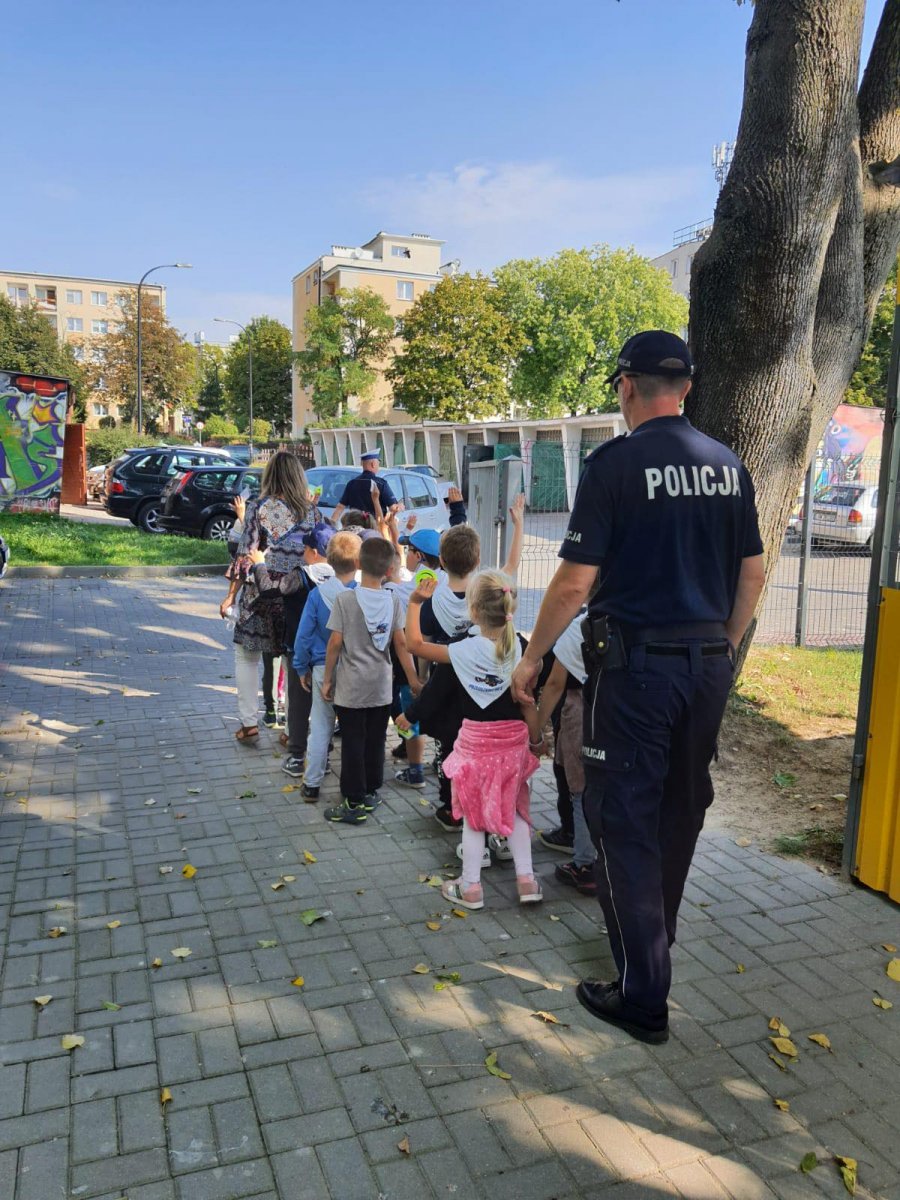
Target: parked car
point(842, 512)
point(96, 481)
point(416, 493)
point(135, 481)
point(240, 452)
point(198, 502)
point(443, 485)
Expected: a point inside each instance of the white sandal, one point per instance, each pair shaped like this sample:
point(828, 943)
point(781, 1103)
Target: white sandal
point(452, 890)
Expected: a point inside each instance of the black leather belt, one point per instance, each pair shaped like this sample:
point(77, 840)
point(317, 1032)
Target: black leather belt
point(694, 630)
point(708, 650)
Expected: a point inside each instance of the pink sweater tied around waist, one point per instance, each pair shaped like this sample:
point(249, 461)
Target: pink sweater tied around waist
point(490, 767)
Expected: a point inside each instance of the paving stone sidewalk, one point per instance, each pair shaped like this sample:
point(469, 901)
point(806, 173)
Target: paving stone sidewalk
point(118, 761)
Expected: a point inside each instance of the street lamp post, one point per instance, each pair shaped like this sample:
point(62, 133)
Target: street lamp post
point(244, 329)
point(140, 346)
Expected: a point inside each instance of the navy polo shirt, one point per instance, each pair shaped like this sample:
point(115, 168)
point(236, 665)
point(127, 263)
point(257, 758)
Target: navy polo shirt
point(358, 493)
point(668, 514)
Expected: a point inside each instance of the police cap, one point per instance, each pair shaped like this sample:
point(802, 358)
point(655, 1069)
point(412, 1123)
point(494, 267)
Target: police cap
point(653, 352)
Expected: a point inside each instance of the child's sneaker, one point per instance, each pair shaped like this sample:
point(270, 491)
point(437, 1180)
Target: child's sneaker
point(457, 892)
point(529, 889)
point(347, 814)
point(293, 766)
point(557, 839)
point(445, 818)
point(399, 752)
point(309, 792)
point(413, 777)
point(485, 856)
point(499, 847)
point(371, 801)
point(580, 878)
point(270, 720)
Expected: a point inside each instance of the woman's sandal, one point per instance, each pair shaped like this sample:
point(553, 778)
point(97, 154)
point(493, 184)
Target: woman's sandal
point(529, 889)
point(452, 889)
point(247, 733)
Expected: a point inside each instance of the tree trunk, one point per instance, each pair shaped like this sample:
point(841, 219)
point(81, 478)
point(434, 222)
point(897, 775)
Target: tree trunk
point(784, 290)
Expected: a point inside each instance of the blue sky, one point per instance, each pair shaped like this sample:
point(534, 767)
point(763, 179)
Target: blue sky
point(246, 138)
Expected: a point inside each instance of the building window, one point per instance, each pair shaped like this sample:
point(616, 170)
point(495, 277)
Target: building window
point(99, 299)
point(101, 384)
point(18, 295)
point(315, 276)
point(74, 324)
point(99, 326)
point(101, 410)
point(687, 265)
point(400, 252)
point(404, 289)
point(74, 296)
point(78, 353)
point(674, 268)
point(308, 284)
point(46, 295)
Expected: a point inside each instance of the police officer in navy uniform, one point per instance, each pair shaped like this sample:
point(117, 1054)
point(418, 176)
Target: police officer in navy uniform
point(668, 517)
point(358, 492)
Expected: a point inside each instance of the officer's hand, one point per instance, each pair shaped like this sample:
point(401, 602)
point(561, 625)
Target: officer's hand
point(524, 678)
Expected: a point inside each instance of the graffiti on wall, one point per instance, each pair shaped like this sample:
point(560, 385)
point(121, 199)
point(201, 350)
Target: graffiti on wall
point(850, 451)
point(32, 430)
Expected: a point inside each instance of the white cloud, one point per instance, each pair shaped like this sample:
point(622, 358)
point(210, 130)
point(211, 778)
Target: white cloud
point(490, 213)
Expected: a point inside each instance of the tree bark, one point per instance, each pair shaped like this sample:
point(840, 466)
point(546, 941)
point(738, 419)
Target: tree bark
point(784, 290)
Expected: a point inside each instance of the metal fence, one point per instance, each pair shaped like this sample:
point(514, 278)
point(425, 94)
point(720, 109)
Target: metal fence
point(817, 591)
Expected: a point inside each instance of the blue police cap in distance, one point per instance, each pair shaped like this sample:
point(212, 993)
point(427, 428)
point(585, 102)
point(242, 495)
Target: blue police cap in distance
point(370, 454)
point(428, 541)
point(654, 352)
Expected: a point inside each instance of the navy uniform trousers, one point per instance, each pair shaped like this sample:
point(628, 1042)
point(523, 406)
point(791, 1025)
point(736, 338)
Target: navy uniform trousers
point(650, 734)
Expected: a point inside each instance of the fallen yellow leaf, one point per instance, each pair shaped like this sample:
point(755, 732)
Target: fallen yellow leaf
point(892, 970)
point(847, 1168)
point(434, 881)
point(821, 1039)
point(113, 924)
point(740, 968)
point(310, 858)
point(421, 969)
point(289, 787)
point(56, 931)
point(459, 912)
point(782, 1105)
point(491, 1063)
point(298, 982)
point(289, 878)
point(785, 1046)
point(546, 1017)
point(554, 917)
point(157, 962)
point(434, 926)
point(42, 1001)
point(71, 1041)
point(879, 1003)
point(889, 946)
point(779, 1026)
point(779, 1062)
point(276, 887)
point(403, 1145)
point(188, 871)
point(165, 1096)
point(181, 952)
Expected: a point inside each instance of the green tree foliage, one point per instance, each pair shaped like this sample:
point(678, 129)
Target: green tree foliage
point(272, 356)
point(216, 426)
point(28, 343)
point(104, 445)
point(211, 364)
point(262, 430)
point(347, 336)
point(168, 363)
point(575, 311)
point(869, 383)
point(457, 352)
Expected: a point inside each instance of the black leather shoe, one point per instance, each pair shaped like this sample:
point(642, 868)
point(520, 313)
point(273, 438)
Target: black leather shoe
point(604, 1001)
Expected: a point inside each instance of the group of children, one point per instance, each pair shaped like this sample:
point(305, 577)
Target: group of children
point(418, 633)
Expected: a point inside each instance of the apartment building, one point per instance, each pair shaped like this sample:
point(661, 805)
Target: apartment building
point(679, 260)
point(397, 267)
point(80, 311)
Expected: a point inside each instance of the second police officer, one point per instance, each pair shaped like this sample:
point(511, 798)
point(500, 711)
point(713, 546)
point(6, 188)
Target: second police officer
point(358, 492)
point(668, 516)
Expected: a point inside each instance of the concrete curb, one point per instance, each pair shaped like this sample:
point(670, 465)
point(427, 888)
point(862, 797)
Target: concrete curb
point(157, 572)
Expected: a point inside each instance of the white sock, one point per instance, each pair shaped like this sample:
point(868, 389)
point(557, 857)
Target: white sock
point(472, 853)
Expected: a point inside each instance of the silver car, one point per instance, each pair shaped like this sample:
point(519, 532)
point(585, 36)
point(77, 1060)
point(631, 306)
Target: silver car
point(843, 513)
point(417, 494)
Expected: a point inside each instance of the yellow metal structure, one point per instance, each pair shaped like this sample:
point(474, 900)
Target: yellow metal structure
point(878, 844)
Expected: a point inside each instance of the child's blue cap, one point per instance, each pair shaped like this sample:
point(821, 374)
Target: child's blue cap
point(318, 537)
point(427, 541)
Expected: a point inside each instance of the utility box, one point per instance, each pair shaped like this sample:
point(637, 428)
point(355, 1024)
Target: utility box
point(493, 486)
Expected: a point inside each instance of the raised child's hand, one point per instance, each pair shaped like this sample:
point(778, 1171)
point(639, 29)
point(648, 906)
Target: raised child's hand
point(517, 512)
point(454, 495)
point(424, 591)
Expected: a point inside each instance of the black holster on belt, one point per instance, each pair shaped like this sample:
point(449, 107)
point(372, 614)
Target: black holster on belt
point(602, 645)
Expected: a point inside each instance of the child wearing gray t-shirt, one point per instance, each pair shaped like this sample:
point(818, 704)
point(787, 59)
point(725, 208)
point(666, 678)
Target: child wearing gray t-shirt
point(358, 679)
